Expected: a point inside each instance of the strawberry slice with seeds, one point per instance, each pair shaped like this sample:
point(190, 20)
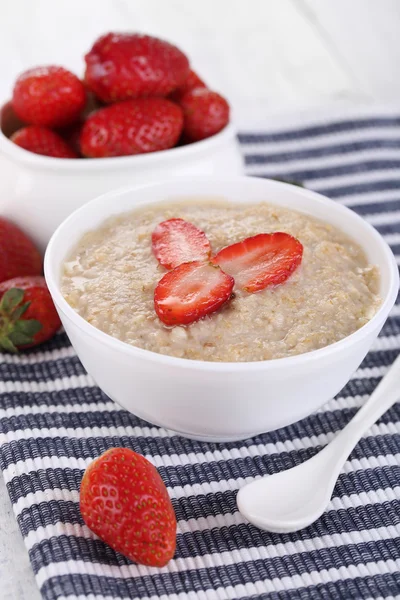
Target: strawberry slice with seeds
point(262, 260)
point(177, 241)
point(190, 292)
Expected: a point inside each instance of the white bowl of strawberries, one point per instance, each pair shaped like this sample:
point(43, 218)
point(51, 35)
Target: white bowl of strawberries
point(139, 115)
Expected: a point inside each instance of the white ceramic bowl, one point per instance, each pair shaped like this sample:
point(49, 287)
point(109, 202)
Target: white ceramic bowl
point(38, 192)
point(219, 401)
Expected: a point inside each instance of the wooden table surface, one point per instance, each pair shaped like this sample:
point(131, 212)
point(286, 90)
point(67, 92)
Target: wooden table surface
point(266, 56)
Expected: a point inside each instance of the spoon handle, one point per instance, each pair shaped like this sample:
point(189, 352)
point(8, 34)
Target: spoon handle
point(384, 396)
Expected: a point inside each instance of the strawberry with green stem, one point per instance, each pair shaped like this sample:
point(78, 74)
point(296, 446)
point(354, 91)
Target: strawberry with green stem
point(27, 314)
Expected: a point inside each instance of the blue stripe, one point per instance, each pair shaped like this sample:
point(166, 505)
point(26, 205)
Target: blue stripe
point(120, 418)
point(64, 548)
point(318, 130)
point(357, 589)
point(361, 188)
point(67, 512)
point(301, 175)
point(321, 151)
point(43, 371)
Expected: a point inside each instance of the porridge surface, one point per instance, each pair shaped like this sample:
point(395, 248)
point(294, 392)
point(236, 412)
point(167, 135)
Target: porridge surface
point(110, 277)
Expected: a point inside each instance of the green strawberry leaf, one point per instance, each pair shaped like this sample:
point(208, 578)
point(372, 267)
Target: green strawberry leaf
point(11, 299)
point(14, 330)
point(29, 327)
point(19, 339)
point(19, 311)
point(6, 344)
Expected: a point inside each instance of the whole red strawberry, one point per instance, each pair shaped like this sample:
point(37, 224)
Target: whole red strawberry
point(124, 501)
point(41, 140)
point(10, 123)
point(192, 82)
point(205, 112)
point(132, 127)
point(48, 96)
point(18, 254)
point(27, 314)
point(124, 65)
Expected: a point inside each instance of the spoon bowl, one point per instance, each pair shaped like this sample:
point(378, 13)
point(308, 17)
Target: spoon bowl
point(293, 499)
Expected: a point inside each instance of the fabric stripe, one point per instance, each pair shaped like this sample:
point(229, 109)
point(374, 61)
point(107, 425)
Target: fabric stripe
point(319, 130)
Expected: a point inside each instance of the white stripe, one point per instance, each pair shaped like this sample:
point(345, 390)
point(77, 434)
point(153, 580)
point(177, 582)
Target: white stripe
point(370, 372)
point(391, 238)
point(50, 385)
point(395, 312)
point(383, 218)
point(38, 357)
point(247, 554)
point(385, 132)
point(274, 169)
point(390, 342)
point(38, 409)
point(269, 585)
point(213, 487)
point(369, 198)
point(340, 180)
point(23, 409)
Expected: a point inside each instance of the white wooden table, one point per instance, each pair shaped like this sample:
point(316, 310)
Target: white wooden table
point(266, 56)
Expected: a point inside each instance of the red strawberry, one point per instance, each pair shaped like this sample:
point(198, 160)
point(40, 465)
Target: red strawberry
point(190, 292)
point(27, 314)
point(176, 241)
point(72, 133)
point(71, 136)
point(205, 113)
point(262, 260)
point(48, 96)
point(124, 501)
point(9, 120)
point(18, 254)
point(193, 81)
point(132, 127)
point(41, 140)
point(123, 65)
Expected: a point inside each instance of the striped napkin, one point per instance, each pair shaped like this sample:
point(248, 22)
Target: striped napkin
point(54, 421)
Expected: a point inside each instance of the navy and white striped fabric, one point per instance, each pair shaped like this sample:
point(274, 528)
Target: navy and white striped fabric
point(54, 421)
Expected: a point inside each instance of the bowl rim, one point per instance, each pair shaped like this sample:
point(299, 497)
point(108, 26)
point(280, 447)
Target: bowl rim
point(223, 367)
point(98, 164)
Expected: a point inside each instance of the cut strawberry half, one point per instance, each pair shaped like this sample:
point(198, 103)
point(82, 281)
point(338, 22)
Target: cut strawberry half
point(262, 260)
point(177, 241)
point(191, 291)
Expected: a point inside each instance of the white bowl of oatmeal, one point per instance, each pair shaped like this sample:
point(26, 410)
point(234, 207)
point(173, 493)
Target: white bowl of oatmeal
point(265, 359)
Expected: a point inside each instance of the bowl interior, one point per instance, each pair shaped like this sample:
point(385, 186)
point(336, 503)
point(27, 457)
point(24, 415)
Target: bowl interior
point(243, 190)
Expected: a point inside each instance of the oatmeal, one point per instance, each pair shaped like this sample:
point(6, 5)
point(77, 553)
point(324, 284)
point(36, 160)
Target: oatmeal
point(110, 277)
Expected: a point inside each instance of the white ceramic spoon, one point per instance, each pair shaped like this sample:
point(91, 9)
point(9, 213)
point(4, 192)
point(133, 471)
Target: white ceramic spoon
point(293, 499)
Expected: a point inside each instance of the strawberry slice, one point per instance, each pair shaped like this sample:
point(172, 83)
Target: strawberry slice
point(262, 260)
point(176, 241)
point(191, 291)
